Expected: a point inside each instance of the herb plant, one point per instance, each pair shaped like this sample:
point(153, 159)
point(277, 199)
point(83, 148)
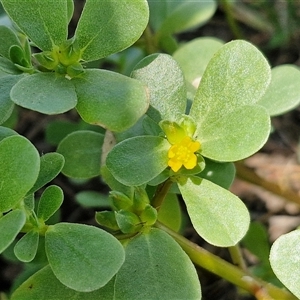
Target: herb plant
point(170, 130)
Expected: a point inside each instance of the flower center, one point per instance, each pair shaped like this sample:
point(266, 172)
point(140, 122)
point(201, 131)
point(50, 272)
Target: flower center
point(183, 154)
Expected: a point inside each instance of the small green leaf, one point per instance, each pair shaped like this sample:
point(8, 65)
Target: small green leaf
point(6, 105)
point(108, 27)
point(127, 221)
point(10, 226)
point(127, 160)
point(17, 175)
point(257, 241)
point(107, 219)
point(6, 132)
point(7, 38)
point(230, 124)
point(284, 258)
point(219, 217)
point(115, 184)
point(44, 285)
point(50, 202)
point(165, 82)
point(51, 165)
point(156, 265)
point(221, 174)
point(282, 94)
point(82, 153)
point(45, 23)
point(82, 257)
point(26, 248)
point(109, 99)
point(92, 199)
point(45, 92)
point(170, 212)
point(193, 58)
point(8, 67)
point(169, 17)
point(18, 56)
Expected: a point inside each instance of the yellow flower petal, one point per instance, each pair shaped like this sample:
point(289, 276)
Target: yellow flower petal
point(182, 154)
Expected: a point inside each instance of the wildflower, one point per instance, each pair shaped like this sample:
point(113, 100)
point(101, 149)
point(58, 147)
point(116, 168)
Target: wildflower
point(183, 147)
point(183, 154)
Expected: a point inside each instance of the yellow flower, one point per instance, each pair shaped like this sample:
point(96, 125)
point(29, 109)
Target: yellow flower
point(183, 154)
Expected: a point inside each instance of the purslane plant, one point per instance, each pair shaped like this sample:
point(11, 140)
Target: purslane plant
point(174, 142)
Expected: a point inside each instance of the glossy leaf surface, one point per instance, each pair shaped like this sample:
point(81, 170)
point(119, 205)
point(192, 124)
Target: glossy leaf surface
point(165, 82)
point(46, 93)
point(108, 27)
point(45, 23)
point(170, 212)
point(82, 257)
point(230, 124)
point(221, 174)
point(10, 226)
point(218, 216)
point(82, 153)
point(17, 175)
point(110, 100)
point(156, 256)
point(127, 160)
point(285, 262)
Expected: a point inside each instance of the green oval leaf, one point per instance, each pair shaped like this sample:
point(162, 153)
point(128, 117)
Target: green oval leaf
point(230, 125)
point(82, 257)
point(109, 99)
point(108, 27)
point(170, 212)
point(284, 259)
point(219, 217)
point(221, 174)
point(10, 226)
point(169, 17)
point(283, 93)
point(127, 160)
point(44, 285)
point(45, 23)
point(156, 265)
point(26, 248)
point(193, 58)
point(46, 93)
point(7, 38)
point(165, 82)
point(50, 166)
point(50, 202)
point(82, 153)
point(6, 105)
point(17, 175)
point(236, 135)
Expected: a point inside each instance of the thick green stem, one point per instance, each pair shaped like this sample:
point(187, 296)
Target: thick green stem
point(214, 264)
point(161, 193)
point(237, 257)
